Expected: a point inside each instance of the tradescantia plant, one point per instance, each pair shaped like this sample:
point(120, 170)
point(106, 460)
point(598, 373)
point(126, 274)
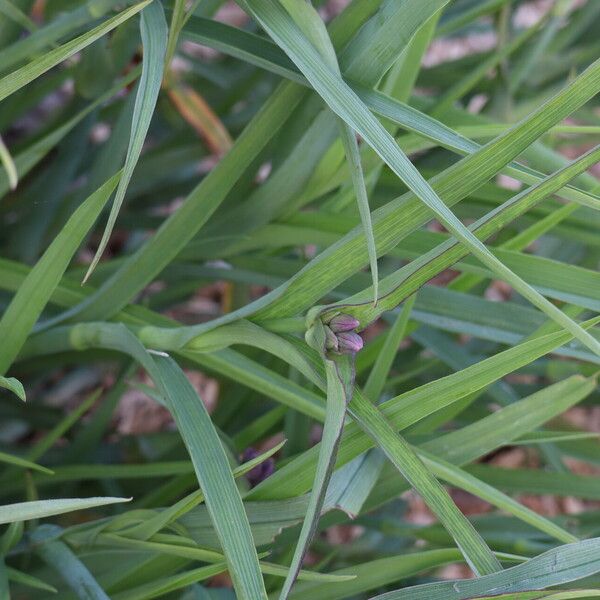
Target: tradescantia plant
point(386, 259)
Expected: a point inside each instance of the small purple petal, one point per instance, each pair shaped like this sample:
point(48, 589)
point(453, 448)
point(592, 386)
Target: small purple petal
point(342, 322)
point(349, 342)
point(249, 454)
point(261, 471)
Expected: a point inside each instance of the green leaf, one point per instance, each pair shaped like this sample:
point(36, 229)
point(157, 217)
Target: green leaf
point(373, 574)
point(381, 369)
point(539, 482)
point(14, 385)
point(555, 567)
point(25, 511)
point(215, 478)
point(266, 54)
point(471, 544)
point(9, 165)
point(154, 33)
point(340, 380)
point(397, 286)
point(13, 12)
point(25, 464)
point(60, 557)
point(311, 24)
point(177, 22)
point(466, 481)
point(33, 295)
point(164, 585)
point(348, 106)
point(17, 79)
point(29, 581)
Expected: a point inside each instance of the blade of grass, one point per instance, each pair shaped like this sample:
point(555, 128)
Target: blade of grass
point(153, 28)
point(348, 106)
point(17, 79)
point(556, 567)
point(311, 24)
point(21, 578)
point(9, 165)
point(215, 478)
point(12, 11)
point(381, 369)
point(266, 54)
point(21, 462)
point(57, 555)
point(470, 543)
point(177, 22)
point(25, 511)
point(13, 385)
point(33, 295)
point(340, 379)
point(466, 481)
point(409, 279)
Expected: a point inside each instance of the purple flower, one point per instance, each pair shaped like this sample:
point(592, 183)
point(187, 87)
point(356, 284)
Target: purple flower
point(342, 322)
point(261, 471)
point(349, 342)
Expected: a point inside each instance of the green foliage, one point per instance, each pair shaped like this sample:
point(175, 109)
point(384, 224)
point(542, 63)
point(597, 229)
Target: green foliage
point(254, 184)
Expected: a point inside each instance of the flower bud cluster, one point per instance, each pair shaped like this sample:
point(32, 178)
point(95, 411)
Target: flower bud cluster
point(340, 335)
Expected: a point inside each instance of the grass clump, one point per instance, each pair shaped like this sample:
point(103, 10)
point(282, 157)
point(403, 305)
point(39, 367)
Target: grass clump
point(267, 266)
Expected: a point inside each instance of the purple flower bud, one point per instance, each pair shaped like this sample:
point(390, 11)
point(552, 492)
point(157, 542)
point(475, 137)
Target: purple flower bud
point(331, 341)
point(343, 322)
point(349, 342)
point(259, 472)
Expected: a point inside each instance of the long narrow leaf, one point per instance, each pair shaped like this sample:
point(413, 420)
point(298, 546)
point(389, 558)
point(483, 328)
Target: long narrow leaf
point(555, 567)
point(33, 295)
point(154, 40)
point(215, 478)
point(26, 511)
point(16, 80)
point(348, 106)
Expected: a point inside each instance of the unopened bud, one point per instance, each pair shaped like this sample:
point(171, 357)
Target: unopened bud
point(342, 322)
point(349, 342)
point(331, 341)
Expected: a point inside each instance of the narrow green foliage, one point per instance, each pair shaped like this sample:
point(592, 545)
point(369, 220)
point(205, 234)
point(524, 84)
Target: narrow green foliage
point(381, 369)
point(25, 511)
point(154, 41)
point(13, 385)
point(340, 379)
point(215, 478)
point(555, 567)
point(28, 303)
point(369, 228)
point(9, 166)
point(21, 77)
point(60, 557)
